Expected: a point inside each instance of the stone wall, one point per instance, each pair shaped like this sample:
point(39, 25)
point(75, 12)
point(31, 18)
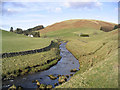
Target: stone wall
point(12, 54)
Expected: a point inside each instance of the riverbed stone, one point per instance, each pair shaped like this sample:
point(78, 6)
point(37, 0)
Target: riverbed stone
point(33, 81)
point(49, 86)
point(52, 77)
point(19, 88)
point(42, 86)
point(62, 79)
point(38, 83)
point(67, 76)
point(58, 76)
point(13, 87)
point(56, 84)
point(73, 70)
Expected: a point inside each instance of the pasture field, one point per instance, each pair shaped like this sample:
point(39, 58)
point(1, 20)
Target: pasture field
point(12, 42)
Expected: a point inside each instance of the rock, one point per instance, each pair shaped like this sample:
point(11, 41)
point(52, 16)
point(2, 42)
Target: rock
point(19, 88)
point(71, 74)
point(73, 70)
point(42, 86)
point(62, 79)
point(33, 81)
point(67, 76)
point(38, 83)
point(13, 87)
point(56, 84)
point(49, 86)
point(58, 76)
point(40, 78)
point(52, 77)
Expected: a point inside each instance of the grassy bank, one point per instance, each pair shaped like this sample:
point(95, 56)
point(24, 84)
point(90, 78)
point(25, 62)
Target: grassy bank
point(98, 59)
point(21, 65)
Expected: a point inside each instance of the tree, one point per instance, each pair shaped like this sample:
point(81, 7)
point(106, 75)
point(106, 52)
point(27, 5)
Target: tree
point(11, 29)
point(19, 31)
point(115, 27)
point(35, 34)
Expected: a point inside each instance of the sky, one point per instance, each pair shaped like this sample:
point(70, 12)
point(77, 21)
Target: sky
point(30, 14)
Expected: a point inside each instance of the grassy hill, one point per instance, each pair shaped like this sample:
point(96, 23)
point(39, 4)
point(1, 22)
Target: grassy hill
point(97, 54)
point(12, 42)
point(77, 23)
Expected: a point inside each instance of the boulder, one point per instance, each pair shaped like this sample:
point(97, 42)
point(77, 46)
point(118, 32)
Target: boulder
point(52, 77)
point(58, 76)
point(49, 86)
point(42, 86)
point(38, 83)
point(67, 76)
point(56, 84)
point(73, 70)
point(62, 79)
point(13, 87)
point(19, 88)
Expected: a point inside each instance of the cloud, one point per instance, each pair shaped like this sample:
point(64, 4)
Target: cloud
point(85, 4)
point(10, 8)
point(8, 11)
point(54, 9)
point(58, 9)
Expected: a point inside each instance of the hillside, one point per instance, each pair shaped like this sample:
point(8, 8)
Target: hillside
point(12, 42)
point(97, 54)
point(77, 23)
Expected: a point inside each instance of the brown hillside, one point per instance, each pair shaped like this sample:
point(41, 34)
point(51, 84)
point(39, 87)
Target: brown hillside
point(78, 23)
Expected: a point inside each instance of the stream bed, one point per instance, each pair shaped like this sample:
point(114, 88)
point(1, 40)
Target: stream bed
point(63, 67)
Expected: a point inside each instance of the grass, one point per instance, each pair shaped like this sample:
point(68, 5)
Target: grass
point(20, 65)
point(97, 55)
point(98, 69)
point(12, 42)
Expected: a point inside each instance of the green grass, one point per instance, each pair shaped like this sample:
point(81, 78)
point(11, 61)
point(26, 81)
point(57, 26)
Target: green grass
point(12, 42)
point(97, 55)
point(36, 62)
point(20, 65)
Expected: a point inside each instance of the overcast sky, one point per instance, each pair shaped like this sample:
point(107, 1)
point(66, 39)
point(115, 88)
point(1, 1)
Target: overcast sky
point(29, 14)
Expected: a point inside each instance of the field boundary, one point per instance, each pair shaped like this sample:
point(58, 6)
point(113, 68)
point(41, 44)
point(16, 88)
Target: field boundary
point(12, 54)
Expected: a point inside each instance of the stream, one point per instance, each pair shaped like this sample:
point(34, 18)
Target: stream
point(63, 67)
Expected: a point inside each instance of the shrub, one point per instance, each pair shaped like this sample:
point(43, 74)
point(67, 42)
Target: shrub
point(106, 28)
point(84, 35)
point(19, 31)
point(11, 29)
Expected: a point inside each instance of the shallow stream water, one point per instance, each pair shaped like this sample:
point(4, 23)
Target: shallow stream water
point(63, 67)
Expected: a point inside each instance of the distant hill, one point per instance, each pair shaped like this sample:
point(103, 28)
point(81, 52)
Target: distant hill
point(80, 23)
